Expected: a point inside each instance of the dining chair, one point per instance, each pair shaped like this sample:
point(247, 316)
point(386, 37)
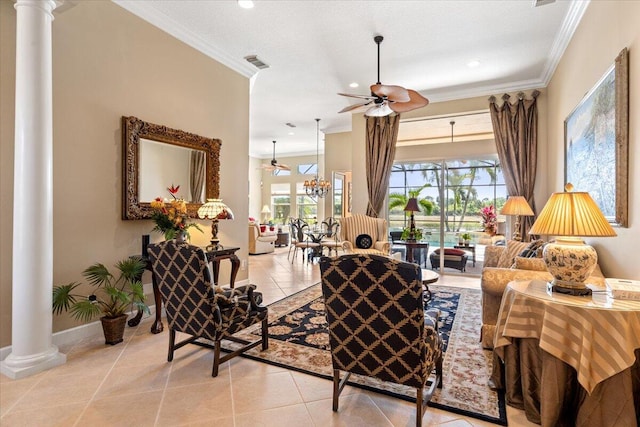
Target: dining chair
point(331, 240)
point(301, 240)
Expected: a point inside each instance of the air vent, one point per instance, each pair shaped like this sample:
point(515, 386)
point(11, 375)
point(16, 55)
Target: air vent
point(291, 125)
point(253, 60)
point(538, 3)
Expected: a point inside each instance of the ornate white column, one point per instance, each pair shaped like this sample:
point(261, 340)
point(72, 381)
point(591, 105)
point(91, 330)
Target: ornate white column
point(31, 340)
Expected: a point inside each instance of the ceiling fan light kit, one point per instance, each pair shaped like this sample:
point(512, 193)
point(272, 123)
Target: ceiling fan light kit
point(317, 187)
point(386, 99)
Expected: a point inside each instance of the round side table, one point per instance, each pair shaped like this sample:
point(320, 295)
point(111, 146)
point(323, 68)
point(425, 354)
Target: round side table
point(428, 276)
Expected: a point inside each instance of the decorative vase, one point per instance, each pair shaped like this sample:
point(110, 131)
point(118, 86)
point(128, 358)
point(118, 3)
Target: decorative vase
point(181, 237)
point(113, 328)
point(490, 231)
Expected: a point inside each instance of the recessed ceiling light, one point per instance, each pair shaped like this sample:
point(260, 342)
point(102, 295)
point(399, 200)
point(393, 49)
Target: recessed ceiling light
point(354, 84)
point(473, 63)
point(291, 133)
point(245, 4)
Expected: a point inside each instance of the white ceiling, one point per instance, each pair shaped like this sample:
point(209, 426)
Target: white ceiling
point(315, 49)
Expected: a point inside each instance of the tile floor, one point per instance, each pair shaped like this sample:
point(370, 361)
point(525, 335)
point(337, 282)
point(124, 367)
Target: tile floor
point(131, 384)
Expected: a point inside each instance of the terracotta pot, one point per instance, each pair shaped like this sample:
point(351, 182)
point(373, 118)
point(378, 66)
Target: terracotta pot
point(113, 329)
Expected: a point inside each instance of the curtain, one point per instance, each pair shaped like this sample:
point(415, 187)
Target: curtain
point(515, 127)
point(197, 166)
point(382, 134)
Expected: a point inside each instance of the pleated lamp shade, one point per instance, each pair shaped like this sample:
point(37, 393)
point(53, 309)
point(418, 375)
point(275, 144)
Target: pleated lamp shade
point(572, 214)
point(516, 205)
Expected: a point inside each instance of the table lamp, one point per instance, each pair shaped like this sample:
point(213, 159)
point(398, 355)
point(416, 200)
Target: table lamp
point(570, 261)
point(214, 210)
point(412, 206)
point(265, 213)
point(516, 205)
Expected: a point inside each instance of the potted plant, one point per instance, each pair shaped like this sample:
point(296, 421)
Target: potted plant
point(406, 231)
point(112, 297)
point(466, 237)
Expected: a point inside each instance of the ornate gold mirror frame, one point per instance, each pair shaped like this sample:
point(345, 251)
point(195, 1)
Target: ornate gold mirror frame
point(134, 129)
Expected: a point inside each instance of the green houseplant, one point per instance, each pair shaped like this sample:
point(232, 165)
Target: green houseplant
point(466, 237)
point(111, 296)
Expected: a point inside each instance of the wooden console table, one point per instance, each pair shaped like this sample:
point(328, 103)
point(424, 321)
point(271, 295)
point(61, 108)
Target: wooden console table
point(214, 257)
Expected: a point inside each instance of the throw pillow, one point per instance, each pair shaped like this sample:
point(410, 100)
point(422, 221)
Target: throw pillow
point(531, 250)
point(533, 264)
point(451, 251)
point(513, 248)
point(364, 241)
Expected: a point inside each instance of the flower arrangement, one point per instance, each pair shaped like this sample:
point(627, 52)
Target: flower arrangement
point(171, 217)
point(489, 219)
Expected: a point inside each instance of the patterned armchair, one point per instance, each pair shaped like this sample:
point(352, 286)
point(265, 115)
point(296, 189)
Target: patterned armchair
point(378, 326)
point(196, 307)
point(356, 230)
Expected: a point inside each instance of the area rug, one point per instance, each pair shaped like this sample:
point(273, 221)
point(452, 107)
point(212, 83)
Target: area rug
point(298, 340)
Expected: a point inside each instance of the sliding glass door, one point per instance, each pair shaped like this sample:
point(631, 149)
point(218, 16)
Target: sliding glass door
point(451, 194)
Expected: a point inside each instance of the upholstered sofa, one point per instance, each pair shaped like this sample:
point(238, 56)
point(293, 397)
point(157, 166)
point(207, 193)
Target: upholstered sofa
point(261, 242)
point(503, 265)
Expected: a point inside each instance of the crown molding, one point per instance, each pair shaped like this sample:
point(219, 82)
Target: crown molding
point(166, 24)
point(569, 25)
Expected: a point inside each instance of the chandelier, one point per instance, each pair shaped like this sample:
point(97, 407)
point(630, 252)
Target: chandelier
point(317, 187)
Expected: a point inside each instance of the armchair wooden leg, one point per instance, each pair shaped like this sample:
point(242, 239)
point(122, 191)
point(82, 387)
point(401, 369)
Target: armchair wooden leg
point(419, 406)
point(265, 333)
point(338, 386)
point(439, 371)
point(172, 341)
point(216, 359)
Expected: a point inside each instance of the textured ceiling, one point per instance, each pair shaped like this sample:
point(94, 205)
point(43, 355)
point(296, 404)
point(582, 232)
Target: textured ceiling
point(316, 48)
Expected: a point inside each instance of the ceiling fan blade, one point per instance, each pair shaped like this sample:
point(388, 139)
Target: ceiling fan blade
point(416, 101)
point(353, 107)
point(283, 167)
point(267, 167)
point(357, 96)
point(392, 93)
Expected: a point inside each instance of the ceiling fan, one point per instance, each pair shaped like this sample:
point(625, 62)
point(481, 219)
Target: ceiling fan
point(385, 99)
point(274, 163)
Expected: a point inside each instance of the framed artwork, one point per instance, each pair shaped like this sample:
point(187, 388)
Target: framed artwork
point(596, 142)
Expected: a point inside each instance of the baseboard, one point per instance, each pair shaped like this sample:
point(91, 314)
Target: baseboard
point(69, 336)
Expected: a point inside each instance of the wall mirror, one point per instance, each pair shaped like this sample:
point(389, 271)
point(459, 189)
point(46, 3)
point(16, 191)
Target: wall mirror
point(155, 157)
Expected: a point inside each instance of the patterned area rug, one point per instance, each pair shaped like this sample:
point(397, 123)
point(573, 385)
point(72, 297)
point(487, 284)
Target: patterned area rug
point(299, 341)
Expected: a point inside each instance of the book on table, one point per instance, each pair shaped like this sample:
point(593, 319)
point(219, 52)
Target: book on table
point(623, 288)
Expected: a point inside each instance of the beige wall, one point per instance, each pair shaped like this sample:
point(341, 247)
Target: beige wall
point(606, 28)
point(108, 63)
point(337, 158)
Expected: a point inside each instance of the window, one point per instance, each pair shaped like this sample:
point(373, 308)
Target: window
point(280, 202)
point(307, 206)
point(468, 186)
point(280, 172)
point(308, 169)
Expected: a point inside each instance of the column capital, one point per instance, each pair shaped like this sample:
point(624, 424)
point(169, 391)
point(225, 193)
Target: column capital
point(47, 6)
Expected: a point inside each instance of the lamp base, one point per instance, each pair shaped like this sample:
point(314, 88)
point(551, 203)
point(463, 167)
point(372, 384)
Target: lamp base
point(570, 262)
point(554, 287)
